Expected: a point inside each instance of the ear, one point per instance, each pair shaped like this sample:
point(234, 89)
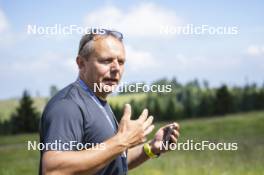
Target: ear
point(80, 62)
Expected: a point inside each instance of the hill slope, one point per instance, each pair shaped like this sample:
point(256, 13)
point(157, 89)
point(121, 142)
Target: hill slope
point(245, 129)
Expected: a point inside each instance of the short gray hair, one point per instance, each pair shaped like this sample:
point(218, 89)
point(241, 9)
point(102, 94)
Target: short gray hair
point(86, 42)
point(86, 46)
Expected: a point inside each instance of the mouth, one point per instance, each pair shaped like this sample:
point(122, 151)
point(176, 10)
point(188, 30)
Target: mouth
point(110, 81)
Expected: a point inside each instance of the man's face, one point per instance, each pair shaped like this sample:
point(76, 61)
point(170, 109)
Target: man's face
point(105, 66)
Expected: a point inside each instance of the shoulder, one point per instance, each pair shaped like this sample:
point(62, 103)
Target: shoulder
point(62, 110)
point(68, 95)
point(65, 102)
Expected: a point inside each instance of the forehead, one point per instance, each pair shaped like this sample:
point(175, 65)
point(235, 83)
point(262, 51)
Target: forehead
point(108, 47)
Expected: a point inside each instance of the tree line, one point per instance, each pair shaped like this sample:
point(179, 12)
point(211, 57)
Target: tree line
point(190, 100)
point(195, 99)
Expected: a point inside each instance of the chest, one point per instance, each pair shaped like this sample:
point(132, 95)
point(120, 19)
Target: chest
point(99, 123)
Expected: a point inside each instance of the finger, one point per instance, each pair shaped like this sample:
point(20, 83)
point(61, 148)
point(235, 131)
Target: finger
point(173, 139)
point(167, 126)
point(176, 126)
point(148, 122)
point(149, 130)
point(143, 115)
point(127, 112)
point(176, 133)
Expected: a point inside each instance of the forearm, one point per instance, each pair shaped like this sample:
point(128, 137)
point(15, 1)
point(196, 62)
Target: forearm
point(82, 162)
point(136, 156)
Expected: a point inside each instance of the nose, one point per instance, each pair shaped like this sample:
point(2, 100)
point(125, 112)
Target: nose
point(115, 66)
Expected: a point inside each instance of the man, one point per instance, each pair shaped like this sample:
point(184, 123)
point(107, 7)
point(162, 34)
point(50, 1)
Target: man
point(80, 113)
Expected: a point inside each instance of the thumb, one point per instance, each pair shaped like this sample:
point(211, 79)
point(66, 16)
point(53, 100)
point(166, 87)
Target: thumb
point(127, 112)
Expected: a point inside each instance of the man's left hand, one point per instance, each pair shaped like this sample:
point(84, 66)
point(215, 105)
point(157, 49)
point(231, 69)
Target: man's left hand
point(167, 134)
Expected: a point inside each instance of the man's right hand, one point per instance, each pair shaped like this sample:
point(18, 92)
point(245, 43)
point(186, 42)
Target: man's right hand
point(90, 161)
point(134, 132)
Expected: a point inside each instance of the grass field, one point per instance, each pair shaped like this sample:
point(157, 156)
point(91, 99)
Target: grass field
point(7, 107)
point(246, 129)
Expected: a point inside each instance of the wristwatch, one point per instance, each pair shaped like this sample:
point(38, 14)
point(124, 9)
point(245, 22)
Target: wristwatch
point(148, 152)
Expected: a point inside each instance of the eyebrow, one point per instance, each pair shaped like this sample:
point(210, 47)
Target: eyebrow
point(108, 58)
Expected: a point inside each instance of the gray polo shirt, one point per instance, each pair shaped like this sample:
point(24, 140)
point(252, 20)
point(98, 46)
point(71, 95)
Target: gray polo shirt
point(73, 115)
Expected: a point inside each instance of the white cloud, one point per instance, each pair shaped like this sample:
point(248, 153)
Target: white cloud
point(45, 64)
point(255, 50)
point(198, 64)
point(54, 65)
point(145, 19)
point(7, 36)
point(3, 22)
point(37, 73)
point(140, 60)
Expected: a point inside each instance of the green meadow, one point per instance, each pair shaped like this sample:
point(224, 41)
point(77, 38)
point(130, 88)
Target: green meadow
point(7, 107)
point(246, 129)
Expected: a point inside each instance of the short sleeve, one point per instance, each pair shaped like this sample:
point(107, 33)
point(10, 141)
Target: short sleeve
point(62, 126)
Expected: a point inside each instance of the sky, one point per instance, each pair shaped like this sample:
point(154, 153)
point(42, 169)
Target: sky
point(153, 49)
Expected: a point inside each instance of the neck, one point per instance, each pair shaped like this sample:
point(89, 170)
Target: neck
point(100, 95)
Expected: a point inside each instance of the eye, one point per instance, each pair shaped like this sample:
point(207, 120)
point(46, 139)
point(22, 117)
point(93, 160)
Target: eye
point(106, 61)
point(121, 62)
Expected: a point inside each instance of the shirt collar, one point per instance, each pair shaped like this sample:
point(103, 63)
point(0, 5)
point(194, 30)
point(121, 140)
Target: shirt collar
point(90, 92)
point(85, 87)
